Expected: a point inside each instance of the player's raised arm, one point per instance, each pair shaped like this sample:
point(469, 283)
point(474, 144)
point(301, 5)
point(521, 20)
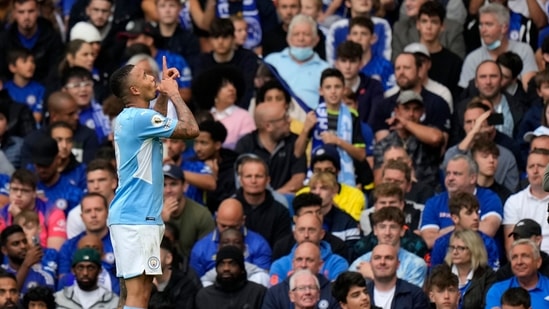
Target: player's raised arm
point(187, 127)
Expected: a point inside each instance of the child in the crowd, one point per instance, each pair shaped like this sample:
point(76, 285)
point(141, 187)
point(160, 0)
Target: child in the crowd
point(22, 88)
point(313, 8)
point(30, 222)
point(361, 31)
point(443, 288)
point(240, 30)
point(78, 82)
point(334, 123)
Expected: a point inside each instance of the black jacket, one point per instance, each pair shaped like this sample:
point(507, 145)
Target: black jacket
point(181, 290)
point(47, 50)
point(407, 296)
point(475, 295)
point(249, 295)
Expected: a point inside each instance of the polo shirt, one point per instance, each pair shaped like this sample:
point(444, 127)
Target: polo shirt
point(539, 296)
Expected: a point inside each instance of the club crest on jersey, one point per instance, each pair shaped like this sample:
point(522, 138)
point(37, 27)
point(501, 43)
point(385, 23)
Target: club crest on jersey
point(153, 262)
point(157, 120)
point(61, 204)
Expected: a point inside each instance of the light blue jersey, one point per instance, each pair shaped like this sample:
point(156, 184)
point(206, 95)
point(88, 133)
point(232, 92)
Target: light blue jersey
point(139, 197)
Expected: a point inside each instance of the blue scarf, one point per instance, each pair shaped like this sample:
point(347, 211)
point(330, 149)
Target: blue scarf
point(250, 15)
point(344, 131)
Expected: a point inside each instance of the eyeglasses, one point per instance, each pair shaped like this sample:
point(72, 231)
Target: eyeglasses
point(79, 85)
point(458, 248)
point(305, 288)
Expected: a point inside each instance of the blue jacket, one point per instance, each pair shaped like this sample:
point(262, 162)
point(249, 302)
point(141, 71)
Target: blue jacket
point(331, 268)
point(203, 253)
point(407, 296)
point(69, 247)
point(277, 296)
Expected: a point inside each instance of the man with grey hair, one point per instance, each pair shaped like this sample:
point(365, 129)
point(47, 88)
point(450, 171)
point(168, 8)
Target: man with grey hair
point(532, 201)
point(461, 176)
point(525, 261)
point(494, 28)
point(304, 289)
point(298, 64)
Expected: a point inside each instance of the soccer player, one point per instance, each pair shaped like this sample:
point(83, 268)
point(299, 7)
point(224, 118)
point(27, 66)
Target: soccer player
point(135, 212)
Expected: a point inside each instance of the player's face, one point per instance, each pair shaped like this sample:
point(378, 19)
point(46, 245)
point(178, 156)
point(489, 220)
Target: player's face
point(253, 178)
point(22, 196)
point(63, 137)
point(388, 232)
point(102, 182)
point(168, 11)
point(357, 298)
point(81, 90)
point(86, 274)
point(173, 188)
point(205, 147)
point(144, 83)
point(84, 57)
point(332, 90)
point(94, 214)
point(9, 294)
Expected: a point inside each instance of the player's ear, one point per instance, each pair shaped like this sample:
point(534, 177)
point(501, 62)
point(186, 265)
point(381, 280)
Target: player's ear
point(134, 90)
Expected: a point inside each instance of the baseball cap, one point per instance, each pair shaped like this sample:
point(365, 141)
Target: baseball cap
point(44, 150)
point(86, 255)
point(408, 96)
point(539, 131)
point(86, 32)
point(417, 48)
point(326, 152)
point(526, 228)
point(173, 171)
point(136, 27)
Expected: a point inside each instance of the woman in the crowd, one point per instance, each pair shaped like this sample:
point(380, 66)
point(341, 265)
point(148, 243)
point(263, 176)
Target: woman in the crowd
point(469, 261)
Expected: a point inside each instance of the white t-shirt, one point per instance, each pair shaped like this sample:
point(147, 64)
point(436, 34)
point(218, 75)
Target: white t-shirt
point(384, 299)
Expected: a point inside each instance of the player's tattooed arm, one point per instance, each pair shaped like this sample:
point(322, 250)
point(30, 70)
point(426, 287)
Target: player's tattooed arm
point(186, 127)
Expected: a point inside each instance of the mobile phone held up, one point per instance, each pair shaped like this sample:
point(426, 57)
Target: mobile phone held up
point(495, 119)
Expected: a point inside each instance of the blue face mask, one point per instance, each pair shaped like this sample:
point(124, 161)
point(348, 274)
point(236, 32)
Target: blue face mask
point(301, 53)
point(494, 45)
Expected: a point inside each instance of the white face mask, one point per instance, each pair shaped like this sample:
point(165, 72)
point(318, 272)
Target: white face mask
point(494, 45)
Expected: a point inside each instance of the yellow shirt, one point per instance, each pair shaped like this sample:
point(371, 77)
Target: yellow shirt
point(349, 199)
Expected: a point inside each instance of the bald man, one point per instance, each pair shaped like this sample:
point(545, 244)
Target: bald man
point(274, 143)
point(62, 107)
point(230, 214)
point(106, 279)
